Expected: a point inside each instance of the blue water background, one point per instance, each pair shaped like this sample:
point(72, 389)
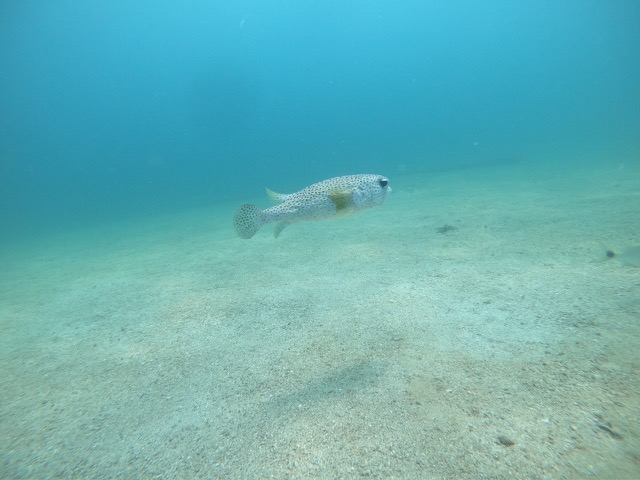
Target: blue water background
point(112, 109)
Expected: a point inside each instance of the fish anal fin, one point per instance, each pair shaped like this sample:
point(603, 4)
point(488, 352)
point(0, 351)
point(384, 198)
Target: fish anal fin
point(279, 227)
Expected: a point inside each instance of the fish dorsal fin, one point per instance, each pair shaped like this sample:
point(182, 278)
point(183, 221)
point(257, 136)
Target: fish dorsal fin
point(341, 199)
point(277, 197)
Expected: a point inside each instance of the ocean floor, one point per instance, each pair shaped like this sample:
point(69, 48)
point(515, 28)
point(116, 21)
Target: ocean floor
point(470, 328)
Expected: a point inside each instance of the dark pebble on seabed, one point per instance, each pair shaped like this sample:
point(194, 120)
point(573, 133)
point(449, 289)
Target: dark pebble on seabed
point(506, 441)
point(611, 253)
point(446, 228)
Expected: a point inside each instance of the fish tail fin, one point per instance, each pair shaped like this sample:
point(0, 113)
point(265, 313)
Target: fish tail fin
point(247, 220)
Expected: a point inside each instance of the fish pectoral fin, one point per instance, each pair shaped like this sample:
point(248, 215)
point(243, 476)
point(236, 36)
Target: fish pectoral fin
point(341, 199)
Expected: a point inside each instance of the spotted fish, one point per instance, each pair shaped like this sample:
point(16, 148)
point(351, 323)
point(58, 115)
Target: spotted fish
point(331, 198)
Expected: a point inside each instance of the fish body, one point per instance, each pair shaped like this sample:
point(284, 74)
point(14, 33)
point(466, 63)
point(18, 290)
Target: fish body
point(327, 199)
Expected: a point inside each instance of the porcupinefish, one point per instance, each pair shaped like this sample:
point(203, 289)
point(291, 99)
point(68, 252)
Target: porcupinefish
point(330, 198)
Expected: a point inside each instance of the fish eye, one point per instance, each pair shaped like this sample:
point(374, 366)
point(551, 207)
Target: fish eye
point(383, 182)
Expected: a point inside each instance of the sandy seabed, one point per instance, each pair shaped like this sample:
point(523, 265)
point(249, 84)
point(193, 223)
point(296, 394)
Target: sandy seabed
point(470, 328)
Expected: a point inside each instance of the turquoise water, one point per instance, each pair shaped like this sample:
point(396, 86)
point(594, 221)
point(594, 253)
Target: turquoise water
point(113, 109)
point(472, 326)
